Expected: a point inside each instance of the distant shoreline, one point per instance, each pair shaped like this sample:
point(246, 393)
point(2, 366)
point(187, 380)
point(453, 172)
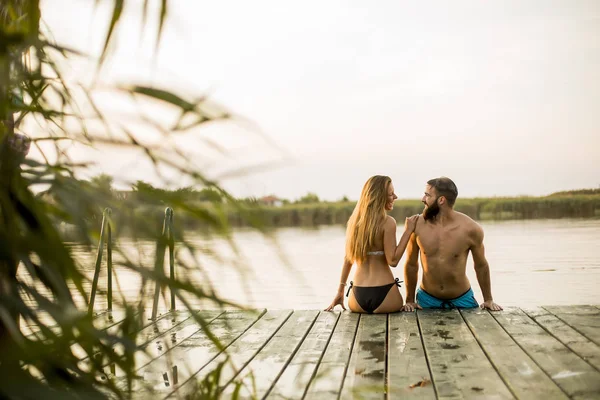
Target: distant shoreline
point(482, 209)
point(254, 214)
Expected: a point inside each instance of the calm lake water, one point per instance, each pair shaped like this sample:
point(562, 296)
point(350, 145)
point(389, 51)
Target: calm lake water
point(538, 262)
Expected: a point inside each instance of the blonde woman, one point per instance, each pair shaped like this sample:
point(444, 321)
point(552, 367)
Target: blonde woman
point(371, 243)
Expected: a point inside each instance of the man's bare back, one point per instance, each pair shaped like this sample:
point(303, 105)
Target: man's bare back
point(444, 249)
point(444, 238)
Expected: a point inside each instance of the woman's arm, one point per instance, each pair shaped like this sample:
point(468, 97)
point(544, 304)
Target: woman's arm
point(339, 296)
point(393, 252)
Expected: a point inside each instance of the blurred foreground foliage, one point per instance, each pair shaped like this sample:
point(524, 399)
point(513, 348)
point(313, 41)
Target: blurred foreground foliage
point(42, 286)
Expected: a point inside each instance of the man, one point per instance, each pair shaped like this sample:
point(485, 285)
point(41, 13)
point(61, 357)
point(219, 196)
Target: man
point(444, 237)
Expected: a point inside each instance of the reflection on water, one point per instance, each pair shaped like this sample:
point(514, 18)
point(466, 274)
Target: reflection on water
point(532, 263)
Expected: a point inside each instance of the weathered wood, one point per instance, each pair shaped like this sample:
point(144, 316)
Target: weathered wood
point(576, 310)
point(108, 319)
point(240, 348)
point(521, 374)
point(264, 369)
point(573, 375)
point(459, 366)
point(187, 357)
point(32, 329)
point(168, 321)
point(365, 377)
point(533, 311)
point(568, 336)
point(549, 354)
point(296, 377)
point(102, 320)
point(327, 382)
point(150, 331)
point(153, 354)
point(584, 319)
point(408, 373)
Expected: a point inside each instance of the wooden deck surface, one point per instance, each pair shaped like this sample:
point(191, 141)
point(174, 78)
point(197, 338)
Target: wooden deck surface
point(539, 353)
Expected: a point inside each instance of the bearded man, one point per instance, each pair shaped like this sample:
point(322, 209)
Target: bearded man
point(444, 238)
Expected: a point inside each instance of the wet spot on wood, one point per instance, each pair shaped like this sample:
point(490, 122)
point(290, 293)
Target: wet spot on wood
point(449, 346)
point(377, 375)
point(444, 334)
point(375, 349)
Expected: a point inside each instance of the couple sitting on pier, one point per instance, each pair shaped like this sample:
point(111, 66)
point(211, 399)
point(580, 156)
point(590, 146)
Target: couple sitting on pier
point(443, 237)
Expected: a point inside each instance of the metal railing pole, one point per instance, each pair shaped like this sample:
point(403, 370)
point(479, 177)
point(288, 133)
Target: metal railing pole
point(159, 263)
point(109, 264)
point(171, 242)
point(105, 216)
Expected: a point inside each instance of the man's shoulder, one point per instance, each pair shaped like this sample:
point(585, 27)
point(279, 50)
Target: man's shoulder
point(470, 225)
point(466, 220)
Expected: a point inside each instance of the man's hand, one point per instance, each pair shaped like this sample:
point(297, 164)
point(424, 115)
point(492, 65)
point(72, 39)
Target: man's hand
point(411, 307)
point(338, 299)
point(490, 305)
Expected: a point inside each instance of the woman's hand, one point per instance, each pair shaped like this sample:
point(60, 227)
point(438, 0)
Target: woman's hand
point(338, 299)
point(411, 223)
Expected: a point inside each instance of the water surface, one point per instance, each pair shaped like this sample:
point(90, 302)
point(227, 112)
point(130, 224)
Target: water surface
point(536, 262)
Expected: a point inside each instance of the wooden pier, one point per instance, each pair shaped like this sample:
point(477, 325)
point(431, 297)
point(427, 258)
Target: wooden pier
point(539, 353)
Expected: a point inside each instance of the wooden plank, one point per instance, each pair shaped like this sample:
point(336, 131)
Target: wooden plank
point(573, 375)
point(533, 311)
point(150, 330)
point(190, 355)
point(264, 369)
point(153, 340)
point(365, 377)
point(521, 374)
point(458, 364)
point(32, 330)
point(579, 344)
point(101, 321)
point(241, 347)
point(166, 322)
point(332, 368)
point(296, 377)
point(576, 310)
point(584, 319)
point(408, 373)
point(109, 319)
point(164, 343)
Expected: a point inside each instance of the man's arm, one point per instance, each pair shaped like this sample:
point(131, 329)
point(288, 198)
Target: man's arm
point(411, 273)
point(482, 269)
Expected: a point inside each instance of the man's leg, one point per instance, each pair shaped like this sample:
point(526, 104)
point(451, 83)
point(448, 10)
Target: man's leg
point(467, 300)
point(426, 300)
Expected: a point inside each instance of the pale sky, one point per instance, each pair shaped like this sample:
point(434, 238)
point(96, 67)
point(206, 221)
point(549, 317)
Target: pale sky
point(501, 96)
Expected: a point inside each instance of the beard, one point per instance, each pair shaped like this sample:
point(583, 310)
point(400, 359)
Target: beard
point(430, 212)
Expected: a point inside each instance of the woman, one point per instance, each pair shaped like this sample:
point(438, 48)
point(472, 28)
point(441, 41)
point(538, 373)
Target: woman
point(371, 243)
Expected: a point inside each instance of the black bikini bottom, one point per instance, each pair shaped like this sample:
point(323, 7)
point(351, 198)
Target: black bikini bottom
point(371, 297)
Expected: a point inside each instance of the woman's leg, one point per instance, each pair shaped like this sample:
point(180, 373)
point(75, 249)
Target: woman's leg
point(393, 302)
point(353, 304)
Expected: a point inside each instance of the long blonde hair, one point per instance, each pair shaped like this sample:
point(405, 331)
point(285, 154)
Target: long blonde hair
point(366, 221)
